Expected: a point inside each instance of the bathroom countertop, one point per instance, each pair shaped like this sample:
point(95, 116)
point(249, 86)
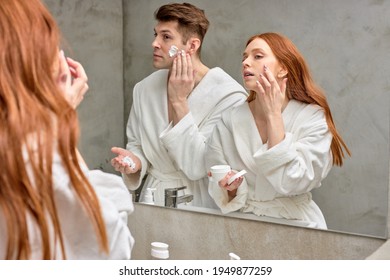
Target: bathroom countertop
point(246, 216)
point(383, 252)
point(248, 239)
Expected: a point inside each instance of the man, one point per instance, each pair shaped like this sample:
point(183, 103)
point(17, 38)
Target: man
point(175, 109)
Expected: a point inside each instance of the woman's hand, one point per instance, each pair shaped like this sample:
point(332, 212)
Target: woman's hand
point(271, 96)
point(72, 80)
point(120, 162)
point(223, 183)
point(232, 187)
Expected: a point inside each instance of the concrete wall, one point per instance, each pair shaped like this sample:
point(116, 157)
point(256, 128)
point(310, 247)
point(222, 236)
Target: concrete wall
point(346, 44)
point(92, 32)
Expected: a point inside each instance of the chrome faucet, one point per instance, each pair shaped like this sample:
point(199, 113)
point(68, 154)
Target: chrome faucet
point(172, 199)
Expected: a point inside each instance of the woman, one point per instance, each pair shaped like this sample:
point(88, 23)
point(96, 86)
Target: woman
point(283, 136)
point(51, 206)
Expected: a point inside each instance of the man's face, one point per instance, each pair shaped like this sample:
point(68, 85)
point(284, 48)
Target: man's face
point(166, 34)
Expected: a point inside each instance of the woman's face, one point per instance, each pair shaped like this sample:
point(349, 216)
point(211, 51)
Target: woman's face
point(256, 55)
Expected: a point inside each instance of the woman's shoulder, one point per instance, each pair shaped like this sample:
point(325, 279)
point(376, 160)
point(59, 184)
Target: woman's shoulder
point(305, 117)
point(300, 109)
point(299, 105)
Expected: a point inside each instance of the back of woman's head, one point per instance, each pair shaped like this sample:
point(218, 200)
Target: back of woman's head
point(28, 48)
point(35, 120)
point(300, 84)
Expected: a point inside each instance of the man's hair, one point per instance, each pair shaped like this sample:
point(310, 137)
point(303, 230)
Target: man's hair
point(192, 21)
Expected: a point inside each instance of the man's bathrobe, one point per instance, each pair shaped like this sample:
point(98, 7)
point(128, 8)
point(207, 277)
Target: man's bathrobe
point(174, 156)
point(279, 179)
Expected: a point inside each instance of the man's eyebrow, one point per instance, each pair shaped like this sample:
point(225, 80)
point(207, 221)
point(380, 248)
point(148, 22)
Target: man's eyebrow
point(163, 31)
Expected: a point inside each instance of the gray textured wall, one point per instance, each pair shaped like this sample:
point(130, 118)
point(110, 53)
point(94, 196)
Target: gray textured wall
point(92, 32)
point(346, 44)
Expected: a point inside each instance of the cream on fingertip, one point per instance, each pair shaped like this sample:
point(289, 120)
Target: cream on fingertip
point(127, 160)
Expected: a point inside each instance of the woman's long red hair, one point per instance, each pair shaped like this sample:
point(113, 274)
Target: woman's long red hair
point(35, 120)
point(300, 85)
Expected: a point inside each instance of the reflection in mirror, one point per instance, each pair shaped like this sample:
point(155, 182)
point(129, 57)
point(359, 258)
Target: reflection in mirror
point(353, 198)
point(345, 49)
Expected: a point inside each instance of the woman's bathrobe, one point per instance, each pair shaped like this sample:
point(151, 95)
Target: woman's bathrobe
point(78, 232)
point(173, 156)
point(279, 179)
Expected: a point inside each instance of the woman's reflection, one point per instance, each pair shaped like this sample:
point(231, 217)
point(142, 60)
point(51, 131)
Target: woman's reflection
point(283, 136)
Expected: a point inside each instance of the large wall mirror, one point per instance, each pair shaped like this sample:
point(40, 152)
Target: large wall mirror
point(346, 44)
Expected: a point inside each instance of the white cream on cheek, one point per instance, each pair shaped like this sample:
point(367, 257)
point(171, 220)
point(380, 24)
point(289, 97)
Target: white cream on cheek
point(173, 51)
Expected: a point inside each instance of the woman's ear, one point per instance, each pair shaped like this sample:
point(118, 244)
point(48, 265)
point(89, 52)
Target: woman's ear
point(55, 70)
point(282, 72)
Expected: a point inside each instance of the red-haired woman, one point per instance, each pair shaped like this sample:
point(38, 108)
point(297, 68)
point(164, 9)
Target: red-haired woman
point(283, 136)
point(51, 205)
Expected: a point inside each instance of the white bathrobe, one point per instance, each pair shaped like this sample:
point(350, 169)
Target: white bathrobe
point(174, 156)
point(79, 235)
point(279, 179)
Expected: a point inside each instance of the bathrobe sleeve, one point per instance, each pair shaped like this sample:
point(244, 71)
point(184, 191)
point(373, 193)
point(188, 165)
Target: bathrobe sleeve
point(303, 159)
point(79, 234)
point(295, 166)
point(186, 141)
point(133, 181)
point(116, 204)
point(216, 155)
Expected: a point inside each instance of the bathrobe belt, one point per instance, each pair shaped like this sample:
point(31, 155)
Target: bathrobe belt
point(165, 177)
point(281, 207)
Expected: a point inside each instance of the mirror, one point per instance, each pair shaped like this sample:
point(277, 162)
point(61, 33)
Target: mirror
point(345, 44)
